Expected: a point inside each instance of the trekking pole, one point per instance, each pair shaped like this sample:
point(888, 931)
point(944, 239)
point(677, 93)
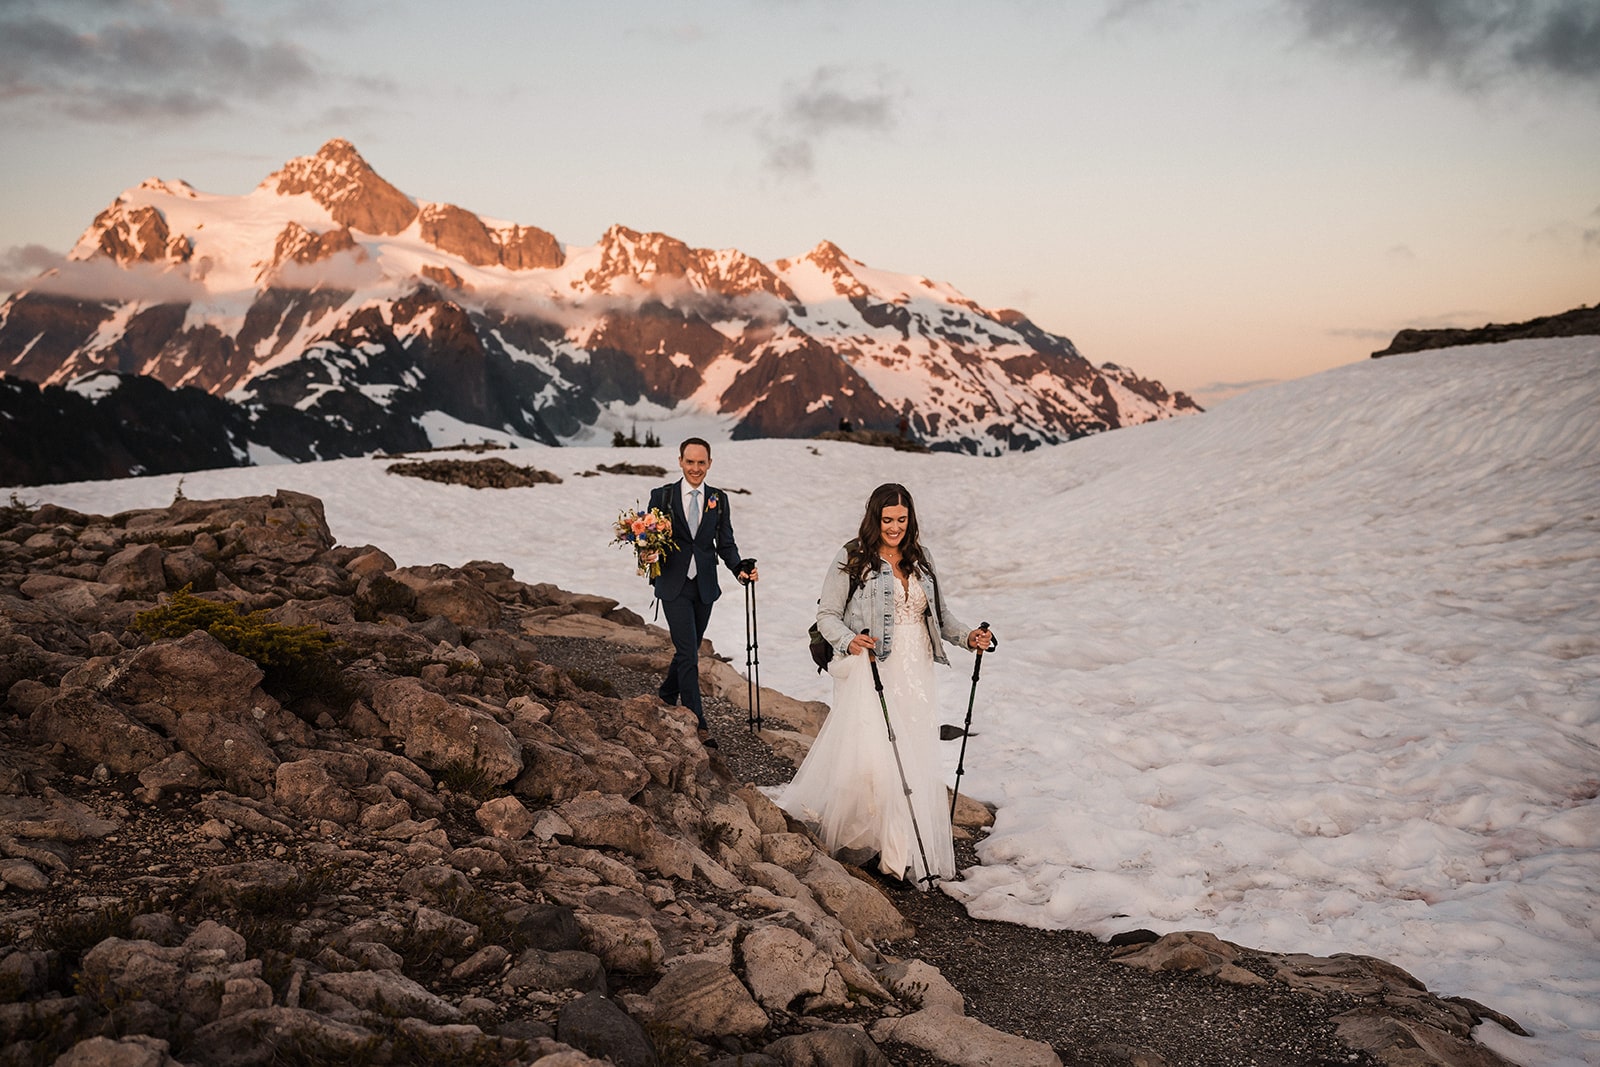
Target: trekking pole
point(966, 731)
point(877, 683)
point(752, 649)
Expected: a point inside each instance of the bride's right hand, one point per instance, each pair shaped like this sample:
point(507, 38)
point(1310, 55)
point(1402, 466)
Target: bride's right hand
point(861, 642)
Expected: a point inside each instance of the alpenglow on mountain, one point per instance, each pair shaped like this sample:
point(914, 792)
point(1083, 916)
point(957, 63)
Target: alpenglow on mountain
point(331, 314)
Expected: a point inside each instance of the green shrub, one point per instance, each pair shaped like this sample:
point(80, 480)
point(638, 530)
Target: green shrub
point(296, 661)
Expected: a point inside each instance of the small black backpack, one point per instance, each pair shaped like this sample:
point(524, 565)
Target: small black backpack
point(821, 651)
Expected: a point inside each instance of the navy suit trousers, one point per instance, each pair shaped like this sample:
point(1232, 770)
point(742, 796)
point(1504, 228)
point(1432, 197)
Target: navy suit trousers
point(687, 616)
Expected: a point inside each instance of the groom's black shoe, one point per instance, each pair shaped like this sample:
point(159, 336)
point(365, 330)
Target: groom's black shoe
point(669, 701)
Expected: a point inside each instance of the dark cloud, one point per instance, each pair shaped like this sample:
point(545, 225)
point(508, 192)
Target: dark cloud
point(139, 61)
point(829, 103)
point(1476, 43)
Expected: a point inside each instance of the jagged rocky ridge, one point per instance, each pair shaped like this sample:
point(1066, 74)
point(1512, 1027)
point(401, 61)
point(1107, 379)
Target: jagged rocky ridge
point(343, 316)
point(1579, 322)
point(447, 849)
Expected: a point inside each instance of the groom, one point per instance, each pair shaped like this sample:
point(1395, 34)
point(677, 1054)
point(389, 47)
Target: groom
point(687, 585)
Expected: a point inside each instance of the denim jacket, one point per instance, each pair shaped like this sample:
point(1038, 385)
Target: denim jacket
point(872, 609)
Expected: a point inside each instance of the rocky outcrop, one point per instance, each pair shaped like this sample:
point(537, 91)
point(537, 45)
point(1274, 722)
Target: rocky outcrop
point(461, 233)
point(130, 234)
point(445, 849)
point(527, 248)
point(296, 244)
point(341, 181)
point(491, 473)
point(1394, 1017)
point(1579, 322)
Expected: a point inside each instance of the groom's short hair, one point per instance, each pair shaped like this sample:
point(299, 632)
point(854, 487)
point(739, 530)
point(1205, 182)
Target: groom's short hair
point(701, 441)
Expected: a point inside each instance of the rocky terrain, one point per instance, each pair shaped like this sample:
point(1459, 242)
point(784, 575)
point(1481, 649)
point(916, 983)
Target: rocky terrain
point(267, 799)
point(1579, 322)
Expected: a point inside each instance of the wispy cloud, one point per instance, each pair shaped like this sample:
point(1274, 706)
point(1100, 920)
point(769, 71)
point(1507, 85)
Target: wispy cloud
point(1215, 392)
point(160, 60)
point(1443, 321)
point(102, 279)
point(833, 101)
point(1474, 43)
point(20, 265)
point(1364, 334)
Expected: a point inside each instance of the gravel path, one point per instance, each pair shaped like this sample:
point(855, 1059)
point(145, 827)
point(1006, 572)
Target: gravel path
point(1059, 987)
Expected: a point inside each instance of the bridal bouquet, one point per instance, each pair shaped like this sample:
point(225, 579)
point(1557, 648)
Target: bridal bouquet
point(649, 533)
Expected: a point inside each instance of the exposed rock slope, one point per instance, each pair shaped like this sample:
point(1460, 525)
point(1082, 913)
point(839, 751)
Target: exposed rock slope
point(397, 832)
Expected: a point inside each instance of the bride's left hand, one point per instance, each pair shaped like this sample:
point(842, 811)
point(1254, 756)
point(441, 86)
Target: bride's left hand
point(979, 640)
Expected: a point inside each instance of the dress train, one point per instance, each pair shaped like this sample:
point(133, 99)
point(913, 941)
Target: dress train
point(849, 788)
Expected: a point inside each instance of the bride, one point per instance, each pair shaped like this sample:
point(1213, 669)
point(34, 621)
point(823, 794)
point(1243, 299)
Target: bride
point(880, 600)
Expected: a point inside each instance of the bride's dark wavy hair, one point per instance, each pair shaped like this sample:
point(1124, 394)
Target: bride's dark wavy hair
point(862, 560)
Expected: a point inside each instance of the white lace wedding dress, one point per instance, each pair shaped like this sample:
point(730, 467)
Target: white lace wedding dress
point(848, 789)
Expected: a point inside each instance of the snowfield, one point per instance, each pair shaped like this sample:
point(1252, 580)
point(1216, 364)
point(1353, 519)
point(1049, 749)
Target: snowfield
point(1316, 671)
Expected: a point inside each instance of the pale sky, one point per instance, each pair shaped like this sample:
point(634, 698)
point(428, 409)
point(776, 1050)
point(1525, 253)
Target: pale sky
point(1209, 193)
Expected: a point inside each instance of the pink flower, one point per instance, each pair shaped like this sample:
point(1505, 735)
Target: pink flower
point(639, 526)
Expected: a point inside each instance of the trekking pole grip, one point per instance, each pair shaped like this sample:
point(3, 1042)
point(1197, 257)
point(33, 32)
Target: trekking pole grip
point(994, 642)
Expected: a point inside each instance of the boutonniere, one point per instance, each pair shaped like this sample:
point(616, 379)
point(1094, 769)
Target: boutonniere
point(711, 505)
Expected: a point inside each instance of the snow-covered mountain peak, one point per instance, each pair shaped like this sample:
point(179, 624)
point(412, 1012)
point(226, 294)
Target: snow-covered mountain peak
point(131, 232)
point(330, 292)
point(344, 183)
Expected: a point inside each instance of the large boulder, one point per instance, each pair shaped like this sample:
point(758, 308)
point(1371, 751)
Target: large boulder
point(77, 599)
point(604, 820)
point(91, 726)
point(595, 1025)
point(306, 788)
point(263, 1036)
point(440, 735)
point(138, 569)
point(53, 819)
point(553, 971)
point(706, 999)
point(781, 966)
point(860, 906)
point(963, 1041)
point(194, 673)
point(837, 1046)
point(137, 1050)
point(384, 991)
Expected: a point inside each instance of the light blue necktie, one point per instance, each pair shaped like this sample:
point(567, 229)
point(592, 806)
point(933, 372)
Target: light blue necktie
point(694, 512)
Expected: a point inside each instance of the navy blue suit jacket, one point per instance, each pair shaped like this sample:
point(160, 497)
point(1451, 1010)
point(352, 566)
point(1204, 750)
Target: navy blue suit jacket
point(713, 539)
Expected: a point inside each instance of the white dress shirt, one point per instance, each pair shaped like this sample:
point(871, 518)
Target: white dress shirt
point(684, 489)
